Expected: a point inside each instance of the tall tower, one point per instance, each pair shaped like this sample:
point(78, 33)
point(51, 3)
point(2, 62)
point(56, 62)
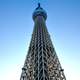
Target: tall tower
point(41, 62)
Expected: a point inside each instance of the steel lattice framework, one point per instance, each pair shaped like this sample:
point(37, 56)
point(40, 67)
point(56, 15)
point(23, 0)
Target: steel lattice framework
point(41, 61)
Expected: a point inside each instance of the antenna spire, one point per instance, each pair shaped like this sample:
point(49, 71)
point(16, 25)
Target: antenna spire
point(38, 4)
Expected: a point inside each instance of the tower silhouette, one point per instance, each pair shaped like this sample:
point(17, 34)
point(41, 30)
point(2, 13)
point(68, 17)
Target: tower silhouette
point(41, 62)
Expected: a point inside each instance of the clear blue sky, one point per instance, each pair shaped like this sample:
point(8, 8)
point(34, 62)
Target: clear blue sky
point(16, 27)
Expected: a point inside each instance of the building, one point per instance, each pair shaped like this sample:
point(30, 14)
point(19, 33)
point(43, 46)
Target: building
point(41, 62)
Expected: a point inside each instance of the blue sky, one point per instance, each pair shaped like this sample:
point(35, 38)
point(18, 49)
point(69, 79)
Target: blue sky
point(16, 26)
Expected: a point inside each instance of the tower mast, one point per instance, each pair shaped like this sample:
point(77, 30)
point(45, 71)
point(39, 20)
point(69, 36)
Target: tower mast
point(41, 62)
